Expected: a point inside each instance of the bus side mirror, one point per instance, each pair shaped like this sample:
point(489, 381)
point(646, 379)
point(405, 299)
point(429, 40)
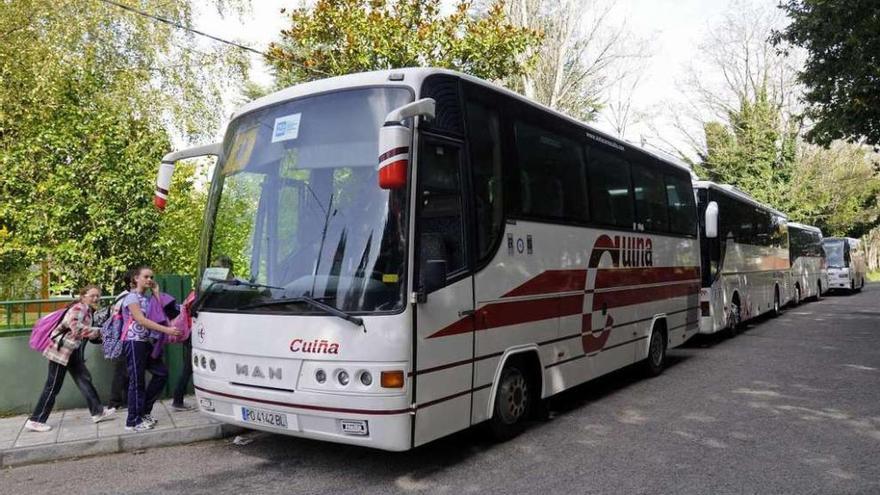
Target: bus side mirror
point(712, 220)
point(433, 277)
point(169, 161)
point(394, 142)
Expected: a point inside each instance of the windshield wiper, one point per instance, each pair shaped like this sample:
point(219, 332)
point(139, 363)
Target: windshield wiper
point(311, 302)
point(197, 305)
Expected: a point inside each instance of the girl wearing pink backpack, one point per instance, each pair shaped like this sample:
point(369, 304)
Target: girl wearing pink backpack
point(65, 352)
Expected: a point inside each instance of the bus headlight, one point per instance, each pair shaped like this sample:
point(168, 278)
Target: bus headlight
point(320, 376)
point(342, 377)
point(366, 378)
point(212, 364)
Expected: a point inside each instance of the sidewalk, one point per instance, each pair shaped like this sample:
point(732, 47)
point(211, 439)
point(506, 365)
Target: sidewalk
point(74, 435)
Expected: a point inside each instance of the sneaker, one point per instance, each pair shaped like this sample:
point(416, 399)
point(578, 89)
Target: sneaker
point(183, 407)
point(142, 426)
point(146, 418)
point(37, 426)
point(105, 415)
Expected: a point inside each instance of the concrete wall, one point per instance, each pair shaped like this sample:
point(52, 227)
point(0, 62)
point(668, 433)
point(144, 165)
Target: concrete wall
point(23, 373)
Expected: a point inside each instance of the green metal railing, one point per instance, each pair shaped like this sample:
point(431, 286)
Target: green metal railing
point(18, 317)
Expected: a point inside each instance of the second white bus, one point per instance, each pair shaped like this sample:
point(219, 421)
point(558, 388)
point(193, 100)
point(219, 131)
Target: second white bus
point(744, 257)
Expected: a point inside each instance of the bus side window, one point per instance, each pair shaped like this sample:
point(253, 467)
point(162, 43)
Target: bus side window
point(551, 174)
point(679, 200)
point(484, 136)
point(650, 195)
point(611, 196)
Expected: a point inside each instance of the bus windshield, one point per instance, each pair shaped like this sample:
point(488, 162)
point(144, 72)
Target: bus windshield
point(299, 212)
point(834, 253)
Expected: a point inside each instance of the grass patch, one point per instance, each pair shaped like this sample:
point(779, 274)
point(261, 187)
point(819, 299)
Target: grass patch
point(874, 276)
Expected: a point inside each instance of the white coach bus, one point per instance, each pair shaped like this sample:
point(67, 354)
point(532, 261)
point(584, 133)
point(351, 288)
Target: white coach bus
point(846, 263)
point(744, 257)
point(500, 254)
point(809, 277)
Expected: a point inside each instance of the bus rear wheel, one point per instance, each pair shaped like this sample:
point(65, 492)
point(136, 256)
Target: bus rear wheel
point(656, 359)
point(734, 318)
point(818, 290)
point(513, 400)
point(777, 310)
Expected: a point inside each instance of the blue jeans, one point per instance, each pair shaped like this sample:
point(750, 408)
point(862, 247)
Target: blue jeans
point(141, 397)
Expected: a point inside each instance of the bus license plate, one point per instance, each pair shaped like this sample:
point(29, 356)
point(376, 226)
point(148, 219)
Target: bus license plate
point(263, 417)
point(355, 427)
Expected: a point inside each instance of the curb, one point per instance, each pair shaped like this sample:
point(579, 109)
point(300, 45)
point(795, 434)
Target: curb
point(123, 443)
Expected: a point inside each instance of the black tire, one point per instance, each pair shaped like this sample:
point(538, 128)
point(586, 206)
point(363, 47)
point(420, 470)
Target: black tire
point(818, 290)
point(734, 320)
point(777, 307)
point(513, 403)
point(861, 286)
point(655, 362)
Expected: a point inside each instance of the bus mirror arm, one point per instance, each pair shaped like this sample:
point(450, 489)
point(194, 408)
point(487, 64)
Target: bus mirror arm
point(169, 161)
point(711, 220)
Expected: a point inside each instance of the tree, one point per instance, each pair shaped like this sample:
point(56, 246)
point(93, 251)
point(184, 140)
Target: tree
point(842, 39)
point(751, 151)
point(337, 37)
point(836, 189)
point(581, 56)
point(90, 97)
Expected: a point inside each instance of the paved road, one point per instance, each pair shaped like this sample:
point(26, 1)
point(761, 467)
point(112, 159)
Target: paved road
point(789, 406)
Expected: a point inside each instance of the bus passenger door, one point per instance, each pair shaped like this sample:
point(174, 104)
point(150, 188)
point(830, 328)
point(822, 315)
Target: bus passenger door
point(444, 314)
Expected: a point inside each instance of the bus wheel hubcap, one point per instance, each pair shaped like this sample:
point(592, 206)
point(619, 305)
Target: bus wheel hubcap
point(514, 392)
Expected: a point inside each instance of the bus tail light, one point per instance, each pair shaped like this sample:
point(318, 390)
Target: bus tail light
point(392, 379)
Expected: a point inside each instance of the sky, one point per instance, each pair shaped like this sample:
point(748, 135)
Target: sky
point(673, 30)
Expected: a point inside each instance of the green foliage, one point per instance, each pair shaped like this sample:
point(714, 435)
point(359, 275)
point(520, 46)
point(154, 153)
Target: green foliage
point(175, 247)
point(835, 189)
point(337, 37)
point(88, 97)
point(750, 151)
point(842, 39)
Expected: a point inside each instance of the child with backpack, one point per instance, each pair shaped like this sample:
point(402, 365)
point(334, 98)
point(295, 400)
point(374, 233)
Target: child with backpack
point(65, 351)
point(140, 334)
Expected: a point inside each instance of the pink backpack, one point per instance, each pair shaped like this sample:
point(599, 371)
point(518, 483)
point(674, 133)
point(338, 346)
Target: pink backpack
point(40, 335)
point(183, 322)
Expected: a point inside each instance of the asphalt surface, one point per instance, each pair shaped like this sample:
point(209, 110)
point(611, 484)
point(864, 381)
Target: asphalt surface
point(788, 406)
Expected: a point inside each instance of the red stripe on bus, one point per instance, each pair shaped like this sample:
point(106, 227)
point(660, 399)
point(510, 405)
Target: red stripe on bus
point(622, 277)
point(551, 281)
point(640, 295)
point(513, 313)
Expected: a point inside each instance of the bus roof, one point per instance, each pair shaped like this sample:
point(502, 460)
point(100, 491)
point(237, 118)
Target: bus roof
point(737, 193)
point(413, 78)
point(805, 227)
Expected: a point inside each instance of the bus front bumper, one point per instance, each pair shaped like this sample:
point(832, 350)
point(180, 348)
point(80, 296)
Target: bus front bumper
point(309, 415)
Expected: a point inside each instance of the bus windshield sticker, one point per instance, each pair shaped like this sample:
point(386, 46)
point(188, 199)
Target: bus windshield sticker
point(286, 128)
point(214, 273)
